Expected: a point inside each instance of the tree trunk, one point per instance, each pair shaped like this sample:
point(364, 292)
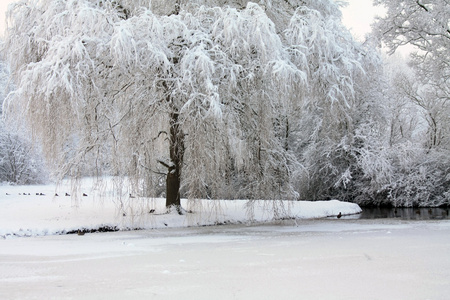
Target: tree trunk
point(173, 188)
point(173, 181)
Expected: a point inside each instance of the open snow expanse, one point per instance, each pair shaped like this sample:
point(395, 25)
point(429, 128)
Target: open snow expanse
point(318, 259)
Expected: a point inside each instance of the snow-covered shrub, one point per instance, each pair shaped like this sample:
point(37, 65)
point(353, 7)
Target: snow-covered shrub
point(364, 170)
point(328, 170)
point(19, 161)
point(404, 175)
point(422, 178)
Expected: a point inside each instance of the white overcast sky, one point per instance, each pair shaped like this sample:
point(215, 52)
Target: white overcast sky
point(3, 7)
point(357, 16)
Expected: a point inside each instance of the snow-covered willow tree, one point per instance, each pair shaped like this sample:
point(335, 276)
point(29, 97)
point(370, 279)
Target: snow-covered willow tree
point(223, 98)
point(197, 93)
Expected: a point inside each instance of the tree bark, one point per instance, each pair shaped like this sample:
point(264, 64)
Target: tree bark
point(173, 180)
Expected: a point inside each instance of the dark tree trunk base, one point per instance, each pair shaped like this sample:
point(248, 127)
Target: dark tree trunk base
point(178, 208)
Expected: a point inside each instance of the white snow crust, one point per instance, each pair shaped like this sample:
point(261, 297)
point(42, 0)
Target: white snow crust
point(35, 215)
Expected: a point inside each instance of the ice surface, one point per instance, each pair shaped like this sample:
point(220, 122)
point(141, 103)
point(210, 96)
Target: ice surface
point(318, 259)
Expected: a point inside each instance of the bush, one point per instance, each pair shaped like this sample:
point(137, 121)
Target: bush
point(19, 161)
point(405, 176)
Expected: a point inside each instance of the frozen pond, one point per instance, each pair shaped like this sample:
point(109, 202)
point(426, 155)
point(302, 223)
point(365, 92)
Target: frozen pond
point(313, 259)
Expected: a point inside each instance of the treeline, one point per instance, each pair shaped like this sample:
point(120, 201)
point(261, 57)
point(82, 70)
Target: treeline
point(235, 99)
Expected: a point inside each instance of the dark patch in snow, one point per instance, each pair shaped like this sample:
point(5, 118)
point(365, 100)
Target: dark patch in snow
point(82, 231)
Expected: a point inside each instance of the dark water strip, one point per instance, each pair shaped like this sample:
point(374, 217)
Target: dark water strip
point(435, 213)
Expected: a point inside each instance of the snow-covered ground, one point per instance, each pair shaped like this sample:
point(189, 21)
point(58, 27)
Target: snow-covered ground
point(250, 258)
point(318, 259)
point(24, 213)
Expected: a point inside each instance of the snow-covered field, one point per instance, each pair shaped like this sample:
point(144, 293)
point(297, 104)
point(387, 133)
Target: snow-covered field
point(24, 213)
point(308, 258)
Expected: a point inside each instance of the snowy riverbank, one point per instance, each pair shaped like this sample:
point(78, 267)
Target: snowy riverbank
point(25, 212)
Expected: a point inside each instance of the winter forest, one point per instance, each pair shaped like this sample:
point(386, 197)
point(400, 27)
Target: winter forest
point(229, 99)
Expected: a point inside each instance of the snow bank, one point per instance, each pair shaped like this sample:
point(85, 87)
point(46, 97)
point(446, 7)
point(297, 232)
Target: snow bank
point(46, 210)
